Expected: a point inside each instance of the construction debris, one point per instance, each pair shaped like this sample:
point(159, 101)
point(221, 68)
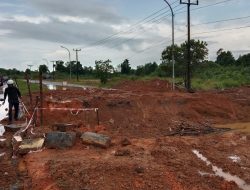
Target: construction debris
point(125, 142)
point(60, 140)
point(14, 127)
point(191, 129)
point(63, 127)
point(122, 152)
point(30, 145)
point(96, 139)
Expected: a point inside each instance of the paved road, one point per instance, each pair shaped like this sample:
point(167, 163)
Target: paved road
point(52, 85)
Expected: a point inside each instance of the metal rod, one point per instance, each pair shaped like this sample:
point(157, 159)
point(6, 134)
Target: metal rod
point(28, 85)
point(97, 117)
point(41, 97)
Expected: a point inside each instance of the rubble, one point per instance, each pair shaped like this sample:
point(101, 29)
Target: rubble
point(125, 142)
point(96, 139)
point(63, 127)
point(30, 145)
point(122, 152)
point(60, 140)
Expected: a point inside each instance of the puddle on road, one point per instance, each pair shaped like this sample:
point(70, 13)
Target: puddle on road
point(242, 127)
point(219, 172)
point(51, 87)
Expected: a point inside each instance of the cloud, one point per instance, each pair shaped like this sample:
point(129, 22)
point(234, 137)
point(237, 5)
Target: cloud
point(24, 18)
point(93, 9)
point(80, 20)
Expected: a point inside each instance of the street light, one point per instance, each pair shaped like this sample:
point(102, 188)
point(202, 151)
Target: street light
point(69, 60)
point(173, 60)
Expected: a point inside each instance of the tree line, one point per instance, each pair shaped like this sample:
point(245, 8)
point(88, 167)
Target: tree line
point(103, 69)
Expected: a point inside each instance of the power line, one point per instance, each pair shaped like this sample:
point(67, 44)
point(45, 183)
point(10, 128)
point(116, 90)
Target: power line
point(224, 20)
point(226, 29)
point(129, 39)
point(213, 31)
point(99, 42)
point(205, 6)
point(134, 27)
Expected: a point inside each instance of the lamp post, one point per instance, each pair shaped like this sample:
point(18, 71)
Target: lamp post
point(173, 58)
point(69, 61)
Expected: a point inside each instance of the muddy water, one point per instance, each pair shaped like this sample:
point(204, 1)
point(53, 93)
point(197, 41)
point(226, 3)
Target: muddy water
point(219, 172)
point(51, 87)
point(243, 127)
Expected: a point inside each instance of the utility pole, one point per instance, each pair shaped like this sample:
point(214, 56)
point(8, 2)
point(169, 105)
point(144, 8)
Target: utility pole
point(173, 58)
point(54, 64)
point(188, 74)
point(30, 66)
point(77, 66)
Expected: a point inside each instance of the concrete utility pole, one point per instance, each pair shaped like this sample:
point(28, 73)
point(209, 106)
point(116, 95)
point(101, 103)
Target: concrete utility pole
point(188, 74)
point(77, 66)
point(69, 61)
point(173, 58)
point(54, 64)
point(30, 66)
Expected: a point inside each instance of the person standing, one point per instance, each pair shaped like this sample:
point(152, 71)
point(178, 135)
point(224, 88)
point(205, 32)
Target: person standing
point(13, 97)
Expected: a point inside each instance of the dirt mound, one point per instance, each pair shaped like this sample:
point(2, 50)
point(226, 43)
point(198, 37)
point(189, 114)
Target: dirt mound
point(147, 85)
point(146, 113)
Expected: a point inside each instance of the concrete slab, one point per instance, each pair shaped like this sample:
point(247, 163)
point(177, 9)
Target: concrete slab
point(96, 139)
point(60, 140)
point(30, 145)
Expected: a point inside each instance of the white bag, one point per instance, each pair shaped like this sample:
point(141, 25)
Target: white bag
point(20, 111)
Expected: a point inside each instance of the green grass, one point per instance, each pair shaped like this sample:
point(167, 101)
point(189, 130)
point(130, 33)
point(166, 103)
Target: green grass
point(206, 77)
point(22, 85)
point(218, 77)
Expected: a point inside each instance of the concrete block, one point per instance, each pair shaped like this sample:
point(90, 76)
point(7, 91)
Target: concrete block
point(30, 145)
point(96, 139)
point(60, 140)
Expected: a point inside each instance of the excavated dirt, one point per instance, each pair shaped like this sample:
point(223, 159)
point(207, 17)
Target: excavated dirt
point(154, 132)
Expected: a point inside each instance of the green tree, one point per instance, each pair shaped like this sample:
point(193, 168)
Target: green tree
point(199, 53)
point(244, 60)
point(150, 68)
point(225, 58)
point(140, 70)
point(60, 67)
point(27, 71)
point(43, 69)
point(103, 70)
point(125, 67)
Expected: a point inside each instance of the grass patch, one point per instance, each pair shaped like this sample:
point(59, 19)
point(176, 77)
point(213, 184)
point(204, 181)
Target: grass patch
point(22, 85)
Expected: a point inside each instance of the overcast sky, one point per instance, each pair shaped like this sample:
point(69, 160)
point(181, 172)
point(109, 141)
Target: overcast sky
point(33, 30)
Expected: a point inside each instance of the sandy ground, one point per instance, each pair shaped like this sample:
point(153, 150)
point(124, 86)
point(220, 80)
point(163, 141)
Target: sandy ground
point(168, 131)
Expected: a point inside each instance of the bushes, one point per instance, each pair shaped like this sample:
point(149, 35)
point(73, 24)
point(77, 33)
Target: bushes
point(220, 77)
